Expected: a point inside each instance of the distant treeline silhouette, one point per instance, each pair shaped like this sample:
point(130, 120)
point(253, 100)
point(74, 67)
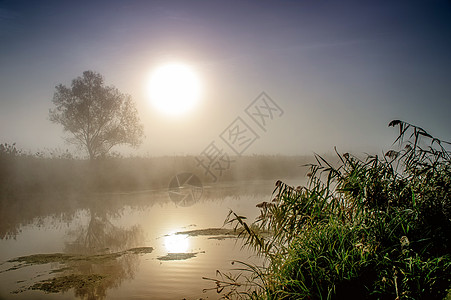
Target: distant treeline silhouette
point(22, 173)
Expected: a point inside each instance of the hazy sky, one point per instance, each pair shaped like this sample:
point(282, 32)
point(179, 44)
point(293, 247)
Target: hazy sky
point(339, 70)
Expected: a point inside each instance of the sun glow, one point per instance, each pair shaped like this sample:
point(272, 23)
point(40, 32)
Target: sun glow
point(174, 89)
point(176, 243)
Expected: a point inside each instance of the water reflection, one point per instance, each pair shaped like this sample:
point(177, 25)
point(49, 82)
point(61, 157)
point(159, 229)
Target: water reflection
point(104, 244)
point(176, 243)
point(21, 210)
point(96, 236)
point(100, 235)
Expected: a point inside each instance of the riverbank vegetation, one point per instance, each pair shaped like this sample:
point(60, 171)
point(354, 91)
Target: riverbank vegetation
point(60, 172)
point(378, 228)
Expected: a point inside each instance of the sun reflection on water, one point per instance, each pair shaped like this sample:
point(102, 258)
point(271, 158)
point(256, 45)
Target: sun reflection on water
point(176, 243)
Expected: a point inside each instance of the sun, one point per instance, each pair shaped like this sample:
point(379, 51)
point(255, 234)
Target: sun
point(174, 88)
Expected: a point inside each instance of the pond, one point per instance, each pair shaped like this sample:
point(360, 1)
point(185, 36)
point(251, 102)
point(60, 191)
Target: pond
point(136, 245)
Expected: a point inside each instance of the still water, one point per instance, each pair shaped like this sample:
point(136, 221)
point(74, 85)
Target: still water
point(139, 245)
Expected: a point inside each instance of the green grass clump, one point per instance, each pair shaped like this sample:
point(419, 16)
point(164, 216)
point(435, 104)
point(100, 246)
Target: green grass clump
point(377, 228)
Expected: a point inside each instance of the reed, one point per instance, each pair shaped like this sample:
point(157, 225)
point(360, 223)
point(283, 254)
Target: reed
point(377, 228)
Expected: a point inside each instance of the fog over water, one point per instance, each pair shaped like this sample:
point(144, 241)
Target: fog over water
point(136, 241)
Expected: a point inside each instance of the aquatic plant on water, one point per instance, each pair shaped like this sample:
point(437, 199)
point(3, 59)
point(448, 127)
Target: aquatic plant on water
point(377, 228)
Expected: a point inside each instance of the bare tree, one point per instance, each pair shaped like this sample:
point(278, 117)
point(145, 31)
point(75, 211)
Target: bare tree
point(98, 117)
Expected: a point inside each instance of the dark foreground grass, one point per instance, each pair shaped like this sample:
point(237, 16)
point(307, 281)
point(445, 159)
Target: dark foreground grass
point(378, 228)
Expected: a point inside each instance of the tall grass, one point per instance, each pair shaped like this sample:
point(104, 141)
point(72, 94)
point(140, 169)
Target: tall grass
point(377, 228)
